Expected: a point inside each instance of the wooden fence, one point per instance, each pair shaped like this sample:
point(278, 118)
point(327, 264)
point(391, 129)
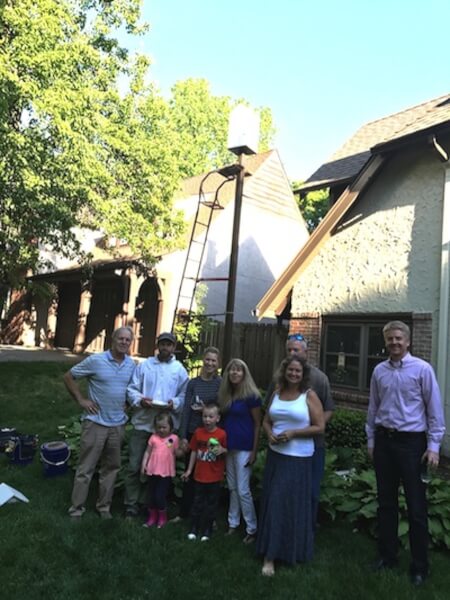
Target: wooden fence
point(261, 346)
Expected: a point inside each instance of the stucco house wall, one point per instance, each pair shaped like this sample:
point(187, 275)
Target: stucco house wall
point(385, 256)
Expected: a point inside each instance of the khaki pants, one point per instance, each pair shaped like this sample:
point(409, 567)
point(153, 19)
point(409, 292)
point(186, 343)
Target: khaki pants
point(98, 443)
point(136, 493)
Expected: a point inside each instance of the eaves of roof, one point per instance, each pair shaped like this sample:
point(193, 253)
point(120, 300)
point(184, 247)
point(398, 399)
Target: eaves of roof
point(74, 272)
point(336, 172)
point(320, 185)
point(349, 159)
point(411, 138)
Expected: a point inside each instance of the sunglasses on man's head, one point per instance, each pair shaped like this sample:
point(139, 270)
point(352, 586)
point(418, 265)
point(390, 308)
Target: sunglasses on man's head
point(297, 337)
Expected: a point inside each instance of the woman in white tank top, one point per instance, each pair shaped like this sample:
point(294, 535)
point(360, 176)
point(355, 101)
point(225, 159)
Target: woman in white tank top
point(293, 416)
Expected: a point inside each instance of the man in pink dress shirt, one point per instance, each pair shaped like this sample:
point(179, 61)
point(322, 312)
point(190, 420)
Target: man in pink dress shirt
point(405, 427)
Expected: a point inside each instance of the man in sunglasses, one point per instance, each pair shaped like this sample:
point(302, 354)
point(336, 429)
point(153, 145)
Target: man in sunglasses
point(297, 345)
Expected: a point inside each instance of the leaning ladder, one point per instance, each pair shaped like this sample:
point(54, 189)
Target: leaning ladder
point(191, 272)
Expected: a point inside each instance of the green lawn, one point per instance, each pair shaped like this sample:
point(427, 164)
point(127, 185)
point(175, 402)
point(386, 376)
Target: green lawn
point(44, 555)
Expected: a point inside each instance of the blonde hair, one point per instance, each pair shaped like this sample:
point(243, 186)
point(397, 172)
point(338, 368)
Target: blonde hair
point(211, 350)
point(228, 392)
point(403, 327)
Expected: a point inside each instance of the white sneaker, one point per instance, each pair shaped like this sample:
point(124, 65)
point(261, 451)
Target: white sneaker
point(177, 519)
point(204, 538)
point(191, 536)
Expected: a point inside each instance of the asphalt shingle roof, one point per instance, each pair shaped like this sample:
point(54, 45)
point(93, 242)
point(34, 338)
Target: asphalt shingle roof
point(348, 160)
point(190, 186)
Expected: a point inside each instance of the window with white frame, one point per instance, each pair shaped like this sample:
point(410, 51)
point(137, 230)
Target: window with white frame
point(352, 347)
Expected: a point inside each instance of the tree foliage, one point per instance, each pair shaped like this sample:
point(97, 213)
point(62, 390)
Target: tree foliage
point(75, 150)
point(200, 121)
point(313, 206)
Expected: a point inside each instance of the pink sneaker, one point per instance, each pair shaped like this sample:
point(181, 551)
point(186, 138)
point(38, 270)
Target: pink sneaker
point(162, 518)
point(152, 518)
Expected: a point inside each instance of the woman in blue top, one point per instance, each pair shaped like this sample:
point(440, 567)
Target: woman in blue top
point(240, 404)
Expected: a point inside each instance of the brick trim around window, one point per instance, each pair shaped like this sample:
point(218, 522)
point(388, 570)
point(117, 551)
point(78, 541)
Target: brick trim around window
point(310, 325)
point(422, 335)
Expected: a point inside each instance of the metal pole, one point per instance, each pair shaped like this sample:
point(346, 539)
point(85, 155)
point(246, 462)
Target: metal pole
point(232, 277)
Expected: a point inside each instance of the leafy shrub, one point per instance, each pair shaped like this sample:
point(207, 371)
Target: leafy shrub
point(349, 494)
point(72, 433)
point(346, 429)
point(346, 435)
point(439, 512)
point(189, 328)
point(352, 495)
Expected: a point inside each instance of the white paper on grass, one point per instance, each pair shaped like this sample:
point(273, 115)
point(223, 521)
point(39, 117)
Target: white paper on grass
point(9, 494)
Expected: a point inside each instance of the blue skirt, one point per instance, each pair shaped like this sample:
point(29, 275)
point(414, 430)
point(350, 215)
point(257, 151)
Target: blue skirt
point(285, 527)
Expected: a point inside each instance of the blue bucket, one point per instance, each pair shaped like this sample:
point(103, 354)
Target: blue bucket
point(55, 457)
point(21, 449)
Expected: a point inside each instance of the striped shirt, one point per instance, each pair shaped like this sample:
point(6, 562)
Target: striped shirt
point(207, 391)
point(107, 386)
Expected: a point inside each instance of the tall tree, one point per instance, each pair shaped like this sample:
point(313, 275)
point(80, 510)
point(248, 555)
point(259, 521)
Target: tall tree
point(200, 121)
point(73, 151)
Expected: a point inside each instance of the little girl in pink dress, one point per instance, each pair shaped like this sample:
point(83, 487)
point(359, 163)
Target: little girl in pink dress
point(158, 464)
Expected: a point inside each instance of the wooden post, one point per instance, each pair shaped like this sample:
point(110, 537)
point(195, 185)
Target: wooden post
point(83, 313)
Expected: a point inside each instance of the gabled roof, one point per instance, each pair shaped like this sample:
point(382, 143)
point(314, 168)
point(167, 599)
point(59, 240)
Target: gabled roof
point(346, 162)
point(266, 186)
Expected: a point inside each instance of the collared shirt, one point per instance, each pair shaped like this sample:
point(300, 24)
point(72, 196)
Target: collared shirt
point(161, 381)
point(405, 396)
point(107, 386)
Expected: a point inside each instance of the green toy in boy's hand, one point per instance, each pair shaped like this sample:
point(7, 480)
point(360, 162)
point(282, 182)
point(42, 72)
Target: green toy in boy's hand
point(213, 442)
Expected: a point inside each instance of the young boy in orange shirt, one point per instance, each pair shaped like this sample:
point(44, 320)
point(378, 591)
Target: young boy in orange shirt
point(208, 448)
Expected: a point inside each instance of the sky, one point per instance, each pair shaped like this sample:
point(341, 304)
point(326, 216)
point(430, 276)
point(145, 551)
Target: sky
point(324, 67)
